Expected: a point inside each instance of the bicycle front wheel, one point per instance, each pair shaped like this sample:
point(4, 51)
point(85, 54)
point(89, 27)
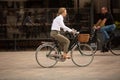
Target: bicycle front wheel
point(44, 56)
point(82, 55)
point(94, 46)
point(114, 46)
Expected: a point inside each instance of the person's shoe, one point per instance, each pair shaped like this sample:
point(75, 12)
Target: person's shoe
point(65, 56)
point(104, 50)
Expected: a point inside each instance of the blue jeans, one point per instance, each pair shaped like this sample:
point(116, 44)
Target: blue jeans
point(105, 29)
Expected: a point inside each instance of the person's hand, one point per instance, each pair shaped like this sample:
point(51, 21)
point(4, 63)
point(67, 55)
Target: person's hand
point(94, 27)
point(98, 27)
point(74, 31)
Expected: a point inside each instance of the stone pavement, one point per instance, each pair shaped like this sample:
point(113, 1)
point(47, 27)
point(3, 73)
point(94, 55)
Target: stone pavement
point(23, 66)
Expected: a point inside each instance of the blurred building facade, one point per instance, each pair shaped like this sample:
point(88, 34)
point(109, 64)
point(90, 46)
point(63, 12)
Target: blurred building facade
point(81, 15)
point(42, 13)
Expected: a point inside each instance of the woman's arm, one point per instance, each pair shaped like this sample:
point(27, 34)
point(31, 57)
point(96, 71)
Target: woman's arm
point(65, 28)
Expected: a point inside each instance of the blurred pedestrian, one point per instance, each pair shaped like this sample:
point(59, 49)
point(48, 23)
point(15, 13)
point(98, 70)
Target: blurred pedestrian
point(27, 19)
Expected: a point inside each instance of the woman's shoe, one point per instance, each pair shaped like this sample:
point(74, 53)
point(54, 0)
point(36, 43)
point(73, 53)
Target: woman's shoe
point(65, 56)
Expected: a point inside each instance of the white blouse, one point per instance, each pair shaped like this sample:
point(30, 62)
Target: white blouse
point(58, 23)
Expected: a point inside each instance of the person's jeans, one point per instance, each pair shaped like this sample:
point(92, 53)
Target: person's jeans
point(105, 29)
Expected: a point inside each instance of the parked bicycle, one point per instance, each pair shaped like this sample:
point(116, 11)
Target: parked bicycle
point(49, 53)
point(112, 45)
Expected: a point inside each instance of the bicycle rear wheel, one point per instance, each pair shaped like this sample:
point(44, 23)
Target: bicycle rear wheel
point(114, 46)
point(82, 55)
point(44, 56)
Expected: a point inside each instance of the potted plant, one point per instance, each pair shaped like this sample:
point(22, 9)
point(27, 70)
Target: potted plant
point(117, 23)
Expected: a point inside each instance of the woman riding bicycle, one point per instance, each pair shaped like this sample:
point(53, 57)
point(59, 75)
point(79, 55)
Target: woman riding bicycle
point(55, 31)
point(106, 23)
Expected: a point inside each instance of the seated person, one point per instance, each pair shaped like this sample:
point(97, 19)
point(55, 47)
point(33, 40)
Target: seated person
point(105, 24)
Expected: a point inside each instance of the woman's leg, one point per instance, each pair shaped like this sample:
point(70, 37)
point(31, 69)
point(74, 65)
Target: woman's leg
point(63, 40)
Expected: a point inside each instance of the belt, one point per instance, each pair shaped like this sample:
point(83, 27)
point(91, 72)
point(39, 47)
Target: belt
point(56, 31)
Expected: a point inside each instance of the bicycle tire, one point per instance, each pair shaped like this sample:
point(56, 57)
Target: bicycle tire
point(94, 45)
point(42, 54)
point(80, 57)
point(114, 47)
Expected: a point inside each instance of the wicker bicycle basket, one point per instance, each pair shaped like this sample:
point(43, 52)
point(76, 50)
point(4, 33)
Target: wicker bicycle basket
point(83, 37)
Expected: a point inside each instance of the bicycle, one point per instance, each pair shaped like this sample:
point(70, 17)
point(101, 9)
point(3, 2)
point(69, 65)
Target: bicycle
point(49, 53)
point(111, 45)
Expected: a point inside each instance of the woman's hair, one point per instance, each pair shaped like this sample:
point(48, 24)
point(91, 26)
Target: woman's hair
point(60, 11)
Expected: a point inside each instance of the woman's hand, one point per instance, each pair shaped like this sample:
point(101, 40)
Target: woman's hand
point(73, 31)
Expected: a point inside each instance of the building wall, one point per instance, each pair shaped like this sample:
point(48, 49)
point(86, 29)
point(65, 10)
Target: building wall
point(81, 4)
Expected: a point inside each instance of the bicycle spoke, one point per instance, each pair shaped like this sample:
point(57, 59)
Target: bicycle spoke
point(82, 55)
point(44, 58)
point(114, 47)
point(94, 46)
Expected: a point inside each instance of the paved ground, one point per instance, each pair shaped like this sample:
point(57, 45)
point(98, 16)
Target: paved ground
point(22, 66)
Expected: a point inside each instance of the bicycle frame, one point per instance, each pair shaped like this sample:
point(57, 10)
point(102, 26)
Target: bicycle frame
point(72, 43)
point(54, 53)
point(93, 35)
point(106, 45)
